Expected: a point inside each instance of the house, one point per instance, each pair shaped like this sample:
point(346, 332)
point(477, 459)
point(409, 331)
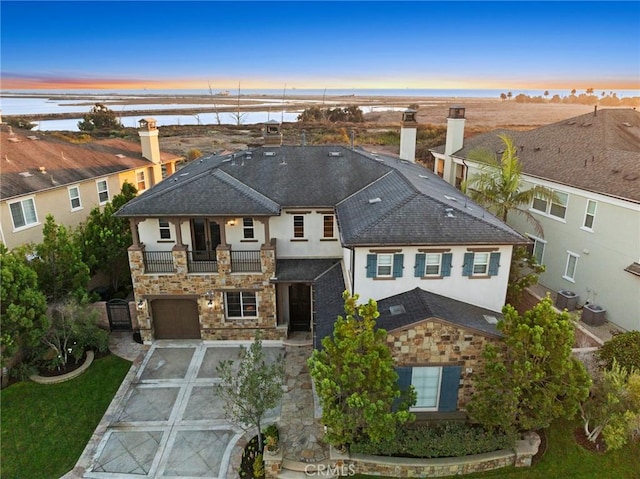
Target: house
point(42, 175)
point(269, 238)
point(591, 241)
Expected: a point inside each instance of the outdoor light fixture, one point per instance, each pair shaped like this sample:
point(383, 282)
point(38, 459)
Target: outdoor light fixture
point(210, 299)
point(141, 304)
point(231, 222)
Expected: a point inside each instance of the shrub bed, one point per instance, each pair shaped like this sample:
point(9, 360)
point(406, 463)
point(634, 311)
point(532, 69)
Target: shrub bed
point(453, 439)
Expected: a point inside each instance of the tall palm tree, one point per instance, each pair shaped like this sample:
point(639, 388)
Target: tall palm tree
point(498, 184)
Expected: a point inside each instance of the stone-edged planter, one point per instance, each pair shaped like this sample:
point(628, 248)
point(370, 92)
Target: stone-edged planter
point(65, 377)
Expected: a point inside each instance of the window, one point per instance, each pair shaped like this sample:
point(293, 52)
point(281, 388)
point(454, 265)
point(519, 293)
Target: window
point(481, 264)
point(141, 183)
point(74, 198)
point(247, 228)
point(570, 268)
point(436, 386)
point(556, 208)
point(165, 229)
point(241, 304)
point(590, 214)
point(103, 191)
point(327, 226)
point(385, 265)
point(23, 213)
point(433, 265)
point(440, 167)
point(298, 226)
point(537, 249)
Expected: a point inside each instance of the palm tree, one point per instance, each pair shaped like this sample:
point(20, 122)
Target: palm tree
point(509, 95)
point(498, 184)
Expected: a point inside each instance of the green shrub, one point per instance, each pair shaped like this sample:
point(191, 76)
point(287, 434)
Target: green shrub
point(271, 431)
point(258, 467)
point(624, 348)
point(453, 439)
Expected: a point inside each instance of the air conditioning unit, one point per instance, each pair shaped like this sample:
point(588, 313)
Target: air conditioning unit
point(566, 300)
point(593, 315)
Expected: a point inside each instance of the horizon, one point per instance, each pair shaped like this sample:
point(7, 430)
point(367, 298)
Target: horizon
point(506, 46)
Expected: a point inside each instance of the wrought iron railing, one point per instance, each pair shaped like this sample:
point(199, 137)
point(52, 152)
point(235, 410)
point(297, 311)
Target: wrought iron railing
point(245, 262)
point(158, 262)
point(202, 262)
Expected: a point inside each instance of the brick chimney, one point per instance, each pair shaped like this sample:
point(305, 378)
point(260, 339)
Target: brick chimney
point(149, 140)
point(272, 133)
point(454, 141)
point(408, 134)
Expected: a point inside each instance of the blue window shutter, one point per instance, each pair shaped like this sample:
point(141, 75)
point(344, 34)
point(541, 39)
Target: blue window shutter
point(372, 265)
point(449, 385)
point(467, 266)
point(494, 264)
point(419, 267)
point(404, 382)
point(398, 265)
point(445, 268)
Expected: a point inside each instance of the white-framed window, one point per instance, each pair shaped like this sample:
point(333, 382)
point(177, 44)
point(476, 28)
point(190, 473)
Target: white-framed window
point(247, 228)
point(480, 264)
point(432, 262)
point(571, 266)
point(241, 304)
point(141, 180)
point(23, 213)
point(103, 191)
point(327, 226)
point(426, 382)
point(537, 249)
point(556, 208)
point(385, 265)
point(74, 198)
point(165, 229)
point(298, 226)
point(590, 215)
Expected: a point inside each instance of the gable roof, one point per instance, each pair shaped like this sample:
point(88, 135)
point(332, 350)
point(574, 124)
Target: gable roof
point(597, 152)
point(265, 180)
point(420, 305)
point(32, 163)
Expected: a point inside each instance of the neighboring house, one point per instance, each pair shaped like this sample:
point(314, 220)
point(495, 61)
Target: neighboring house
point(42, 175)
point(591, 242)
point(269, 238)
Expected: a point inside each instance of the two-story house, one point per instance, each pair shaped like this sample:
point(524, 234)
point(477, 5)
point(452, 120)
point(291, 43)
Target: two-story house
point(591, 241)
point(269, 238)
point(43, 175)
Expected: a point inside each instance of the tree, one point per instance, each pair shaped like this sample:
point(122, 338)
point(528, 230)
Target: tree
point(355, 378)
point(523, 273)
point(509, 95)
point(613, 406)
point(23, 307)
point(498, 184)
point(100, 118)
point(532, 378)
point(251, 389)
point(573, 91)
point(503, 96)
point(58, 263)
point(104, 238)
point(546, 93)
point(589, 91)
point(623, 348)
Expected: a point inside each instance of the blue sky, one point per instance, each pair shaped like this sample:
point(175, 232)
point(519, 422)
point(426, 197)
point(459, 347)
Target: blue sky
point(165, 44)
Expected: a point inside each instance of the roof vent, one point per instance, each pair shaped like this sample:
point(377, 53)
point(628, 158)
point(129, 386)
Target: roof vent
point(587, 124)
point(397, 309)
point(25, 174)
point(43, 170)
point(374, 200)
point(449, 212)
point(423, 176)
point(490, 319)
point(184, 174)
point(572, 122)
point(627, 124)
point(13, 140)
point(120, 155)
point(335, 153)
point(33, 137)
point(451, 198)
point(268, 153)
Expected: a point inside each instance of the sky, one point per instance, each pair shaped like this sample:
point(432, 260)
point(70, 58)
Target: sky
point(357, 45)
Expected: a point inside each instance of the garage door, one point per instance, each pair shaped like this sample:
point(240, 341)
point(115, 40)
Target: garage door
point(175, 319)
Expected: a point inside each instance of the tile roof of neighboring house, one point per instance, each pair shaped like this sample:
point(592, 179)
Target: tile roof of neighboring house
point(328, 289)
point(419, 305)
point(31, 162)
point(598, 152)
point(258, 183)
point(302, 270)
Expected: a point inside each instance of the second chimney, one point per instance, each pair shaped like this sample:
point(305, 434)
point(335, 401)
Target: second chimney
point(149, 140)
point(408, 135)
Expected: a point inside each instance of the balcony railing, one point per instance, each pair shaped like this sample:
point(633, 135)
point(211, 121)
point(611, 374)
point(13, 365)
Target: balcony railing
point(158, 262)
point(202, 262)
point(245, 262)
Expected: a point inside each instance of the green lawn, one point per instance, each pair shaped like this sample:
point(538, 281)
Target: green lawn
point(46, 427)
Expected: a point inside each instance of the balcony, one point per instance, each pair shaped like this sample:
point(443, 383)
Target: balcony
point(158, 262)
point(202, 262)
point(245, 262)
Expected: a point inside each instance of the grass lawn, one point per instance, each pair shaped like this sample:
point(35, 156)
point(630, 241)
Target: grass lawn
point(566, 459)
point(46, 427)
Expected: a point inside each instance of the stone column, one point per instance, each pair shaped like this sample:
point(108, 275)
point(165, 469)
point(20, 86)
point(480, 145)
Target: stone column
point(267, 238)
point(177, 222)
point(135, 236)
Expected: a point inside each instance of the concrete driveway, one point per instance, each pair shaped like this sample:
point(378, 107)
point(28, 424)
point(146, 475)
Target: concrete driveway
point(168, 421)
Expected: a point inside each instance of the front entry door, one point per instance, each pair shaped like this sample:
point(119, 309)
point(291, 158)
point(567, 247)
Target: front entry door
point(206, 237)
point(300, 307)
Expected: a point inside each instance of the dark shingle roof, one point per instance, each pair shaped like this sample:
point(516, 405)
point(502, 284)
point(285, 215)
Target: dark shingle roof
point(594, 152)
point(420, 305)
point(328, 289)
point(302, 270)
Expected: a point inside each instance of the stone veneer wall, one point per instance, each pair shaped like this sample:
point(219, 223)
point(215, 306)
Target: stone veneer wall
point(213, 324)
point(437, 343)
